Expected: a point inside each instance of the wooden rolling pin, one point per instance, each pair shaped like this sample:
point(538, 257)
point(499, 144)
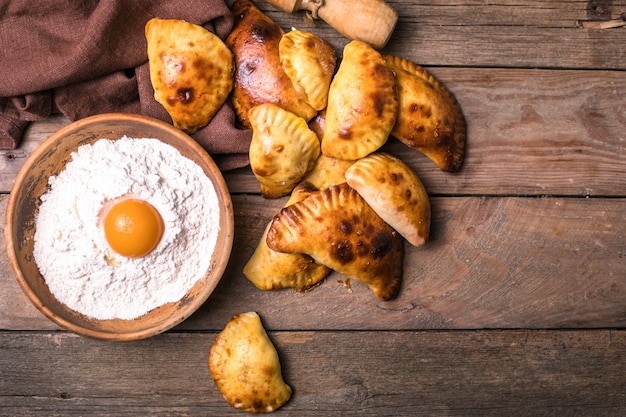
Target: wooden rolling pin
point(370, 21)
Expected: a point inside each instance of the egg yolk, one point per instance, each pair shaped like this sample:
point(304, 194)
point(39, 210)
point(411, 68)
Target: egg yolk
point(133, 227)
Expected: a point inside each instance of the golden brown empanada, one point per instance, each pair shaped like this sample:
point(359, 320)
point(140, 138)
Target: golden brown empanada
point(318, 124)
point(309, 61)
point(395, 192)
point(362, 104)
point(271, 270)
point(283, 149)
point(191, 71)
point(259, 75)
point(246, 368)
point(429, 117)
point(327, 171)
point(339, 229)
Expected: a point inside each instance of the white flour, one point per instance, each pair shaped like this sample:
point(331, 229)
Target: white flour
point(70, 248)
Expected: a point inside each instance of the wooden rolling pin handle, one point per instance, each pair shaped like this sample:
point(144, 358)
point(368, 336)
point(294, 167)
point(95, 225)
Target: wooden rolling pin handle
point(370, 21)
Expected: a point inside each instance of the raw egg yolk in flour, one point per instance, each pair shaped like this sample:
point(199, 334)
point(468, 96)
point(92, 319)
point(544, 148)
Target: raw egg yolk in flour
point(133, 227)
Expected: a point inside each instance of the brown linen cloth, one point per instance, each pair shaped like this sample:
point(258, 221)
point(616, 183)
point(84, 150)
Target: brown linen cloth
point(81, 58)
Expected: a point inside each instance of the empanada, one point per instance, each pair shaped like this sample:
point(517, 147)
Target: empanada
point(318, 124)
point(362, 104)
point(339, 229)
point(246, 368)
point(327, 171)
point(309, 61)
point(271, 270)
point(259, 75)
point(429, 117)
point(283, 149)
point(395, 192)
point(191, 71)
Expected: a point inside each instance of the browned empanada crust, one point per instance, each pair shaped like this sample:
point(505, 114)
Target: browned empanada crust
point(246, 368)
point(395, 192)
point(191, 71)
point(328, 171)
point(337, 228)
point(318, 124)
point(259, 75)
point(310, 62)
point(271, 270)
point(429, 117)
point(283, 149)
point(362, 104)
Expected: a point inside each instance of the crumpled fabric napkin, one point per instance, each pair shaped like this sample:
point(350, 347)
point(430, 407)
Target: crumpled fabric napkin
point(90, 57)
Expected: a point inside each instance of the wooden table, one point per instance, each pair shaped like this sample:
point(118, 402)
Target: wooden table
point(517, 305)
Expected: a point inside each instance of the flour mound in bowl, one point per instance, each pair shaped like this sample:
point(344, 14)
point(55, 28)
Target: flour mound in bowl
point(70, 247)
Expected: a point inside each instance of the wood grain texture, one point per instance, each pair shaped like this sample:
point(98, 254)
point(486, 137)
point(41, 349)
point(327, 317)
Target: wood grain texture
point(505, 34)
point(484, 373)
point(490, 263)
point(12, 160)
point(529, 235)
point(530, 132)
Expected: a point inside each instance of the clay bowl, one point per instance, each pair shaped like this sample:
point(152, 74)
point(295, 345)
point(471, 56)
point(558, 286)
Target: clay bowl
point(31, 182)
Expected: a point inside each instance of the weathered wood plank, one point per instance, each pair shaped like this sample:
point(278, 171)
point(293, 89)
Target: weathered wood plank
point(521, 34)
point(491, 263)
point(530, 132)
point(12, 160)
point(494, 261)
point(483, 373)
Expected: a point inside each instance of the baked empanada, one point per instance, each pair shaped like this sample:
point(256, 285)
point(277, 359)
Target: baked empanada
point(327, 171)
point(362, 104)
point(191, 71)
point(429, 117)
point(395, 192)
point(271, 270)
point(318, 124)
point(283, 149)
point(309, 61)
point(246, 368)
point(259, 75)
point(339, 229)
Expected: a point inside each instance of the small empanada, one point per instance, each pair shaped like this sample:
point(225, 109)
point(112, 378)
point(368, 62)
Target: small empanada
point(246, 368)
point(327, 171)
point(271, 270)
point(339, 229)
point(259, 75)
point(429, 117)
point(362, 104)
point(283, 149)
point(191, 71)
point(310, 62)
point(395, 192)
